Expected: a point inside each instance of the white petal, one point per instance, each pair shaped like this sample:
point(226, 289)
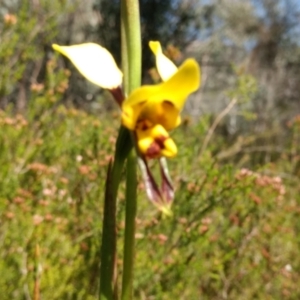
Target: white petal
point(94, 62)
point(165, 67)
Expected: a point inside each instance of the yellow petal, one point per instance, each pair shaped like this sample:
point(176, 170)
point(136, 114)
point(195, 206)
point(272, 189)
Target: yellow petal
point(170, 148)
point(156, 142)
point(144, 143)
point(94, 62)
point(163, 113)
point(174, 91)
point(165, 67)
point(130, 115)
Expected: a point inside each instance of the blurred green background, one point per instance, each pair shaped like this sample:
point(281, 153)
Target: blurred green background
point(235, 229)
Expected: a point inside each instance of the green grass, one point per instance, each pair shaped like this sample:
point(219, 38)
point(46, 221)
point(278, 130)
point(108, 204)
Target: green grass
point(234, 233)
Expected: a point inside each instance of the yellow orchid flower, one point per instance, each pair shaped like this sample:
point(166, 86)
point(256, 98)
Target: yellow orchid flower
point(151, 111)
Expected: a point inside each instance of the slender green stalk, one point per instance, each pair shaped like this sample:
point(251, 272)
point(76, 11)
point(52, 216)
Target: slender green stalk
point(108, 244)
point(129, 242)
point(108, 282)
point(131, 44)
point(108, 240)
point(124, 48)
point(131, 64)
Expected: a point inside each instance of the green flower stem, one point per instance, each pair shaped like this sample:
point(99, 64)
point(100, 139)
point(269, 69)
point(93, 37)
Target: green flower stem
point(131, 61)
point(131, 64)
point(108, 282)
point(131, 44)
point(129, 242)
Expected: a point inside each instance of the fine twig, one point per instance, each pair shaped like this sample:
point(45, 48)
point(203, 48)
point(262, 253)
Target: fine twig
point(216, 123)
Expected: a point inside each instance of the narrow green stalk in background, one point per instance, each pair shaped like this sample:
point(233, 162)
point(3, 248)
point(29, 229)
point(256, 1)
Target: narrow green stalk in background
point(108, 243)
point(108, 282)
point(130, 213)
